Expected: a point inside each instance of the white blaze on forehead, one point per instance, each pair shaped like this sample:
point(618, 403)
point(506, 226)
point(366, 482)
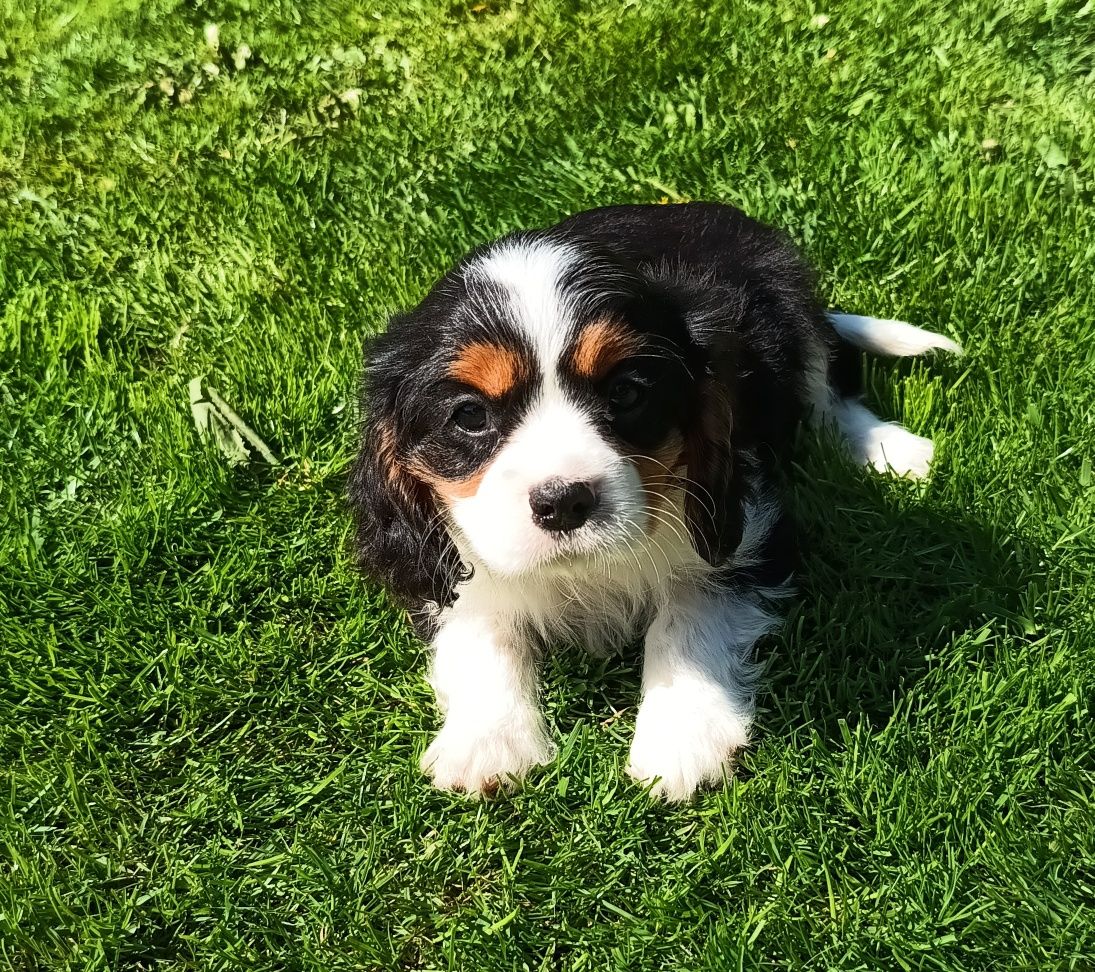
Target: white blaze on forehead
point(556, 438)
point(531, 273)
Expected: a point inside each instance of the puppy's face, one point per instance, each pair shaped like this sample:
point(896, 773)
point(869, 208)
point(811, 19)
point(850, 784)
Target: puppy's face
point(540, 397)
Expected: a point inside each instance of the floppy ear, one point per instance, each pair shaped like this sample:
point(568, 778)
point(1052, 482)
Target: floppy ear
point(398, 538)
point(713, 507)
point(691, 317)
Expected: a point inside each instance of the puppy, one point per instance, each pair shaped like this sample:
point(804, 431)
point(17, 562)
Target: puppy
point(579, 435)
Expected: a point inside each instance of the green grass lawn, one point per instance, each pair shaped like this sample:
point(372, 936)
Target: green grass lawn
point(209, 725)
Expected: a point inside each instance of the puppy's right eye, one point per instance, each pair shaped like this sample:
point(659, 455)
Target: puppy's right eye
point(471, 417)
point(625, 395)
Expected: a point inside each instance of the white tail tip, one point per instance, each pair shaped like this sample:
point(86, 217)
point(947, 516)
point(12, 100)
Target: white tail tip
point(895, 338)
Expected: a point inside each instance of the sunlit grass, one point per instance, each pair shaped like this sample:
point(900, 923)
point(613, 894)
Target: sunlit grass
point(209, 727)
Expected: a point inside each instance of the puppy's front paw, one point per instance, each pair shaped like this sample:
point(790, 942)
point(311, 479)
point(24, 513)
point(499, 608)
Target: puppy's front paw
point(685, 736)
point(477, 757)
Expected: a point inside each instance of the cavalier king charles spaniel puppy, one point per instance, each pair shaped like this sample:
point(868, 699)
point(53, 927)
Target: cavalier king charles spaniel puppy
point(579, 436)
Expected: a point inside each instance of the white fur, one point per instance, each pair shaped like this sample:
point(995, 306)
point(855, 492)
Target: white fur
point(758, 519)
point(530, 275)
point(698, 672)
point(555, 440)
point(697, 688)
point(604, 599)
point(898, 338)
point(484, 675)
point(886, 446)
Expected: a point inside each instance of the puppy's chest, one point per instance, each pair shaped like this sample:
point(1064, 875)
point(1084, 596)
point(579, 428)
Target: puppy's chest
point(597, 615)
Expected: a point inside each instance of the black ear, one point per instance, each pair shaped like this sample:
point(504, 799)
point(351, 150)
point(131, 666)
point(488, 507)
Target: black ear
point(694, 319)
point(686, 316)
point(399, 537)
point(716, 490)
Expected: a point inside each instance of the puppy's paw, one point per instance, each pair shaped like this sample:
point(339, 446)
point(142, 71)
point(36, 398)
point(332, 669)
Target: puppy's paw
point(477, 757)
point(684, 738)
point(894, 449)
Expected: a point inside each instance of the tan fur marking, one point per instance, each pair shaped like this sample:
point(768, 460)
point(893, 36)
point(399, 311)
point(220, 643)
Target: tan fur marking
point(491, 368)
point(386, 449)
point(389, 458)
point(601, 346)
point(454, 489)
point(450, 490)
point(403, 477)
point(660, 472)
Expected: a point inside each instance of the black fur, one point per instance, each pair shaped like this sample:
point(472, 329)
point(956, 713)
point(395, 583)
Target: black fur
point(397, 537)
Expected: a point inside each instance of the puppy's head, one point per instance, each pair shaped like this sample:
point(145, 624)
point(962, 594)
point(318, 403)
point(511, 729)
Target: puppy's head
point(538, 411)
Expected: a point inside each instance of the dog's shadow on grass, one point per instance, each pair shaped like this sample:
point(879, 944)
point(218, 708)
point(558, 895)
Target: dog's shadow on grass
point(885, 582)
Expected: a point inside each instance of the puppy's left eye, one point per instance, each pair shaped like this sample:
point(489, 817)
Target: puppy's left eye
point(471, 417)
point(626, 394)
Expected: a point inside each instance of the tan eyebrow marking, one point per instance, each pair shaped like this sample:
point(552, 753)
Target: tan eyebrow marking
point(601, 346)
point(491, 368)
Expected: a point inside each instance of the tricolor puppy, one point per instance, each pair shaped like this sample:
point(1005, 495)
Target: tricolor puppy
point(577, 436)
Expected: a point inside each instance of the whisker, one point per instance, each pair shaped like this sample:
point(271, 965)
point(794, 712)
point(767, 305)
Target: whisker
point(665, 556)
point(677, 479)
point(709, 507)
point(646, 550)
point(670, 524)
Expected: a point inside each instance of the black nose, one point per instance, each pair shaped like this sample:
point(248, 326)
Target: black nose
point(559, 505)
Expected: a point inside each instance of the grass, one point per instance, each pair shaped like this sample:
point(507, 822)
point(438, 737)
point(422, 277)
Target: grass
point(209, 725)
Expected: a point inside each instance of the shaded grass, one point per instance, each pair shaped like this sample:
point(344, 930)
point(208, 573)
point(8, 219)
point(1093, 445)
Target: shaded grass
point(209, 727)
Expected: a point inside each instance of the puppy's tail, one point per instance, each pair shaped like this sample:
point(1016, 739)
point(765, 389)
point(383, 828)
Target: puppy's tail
point(892, 338)
point(887, 446)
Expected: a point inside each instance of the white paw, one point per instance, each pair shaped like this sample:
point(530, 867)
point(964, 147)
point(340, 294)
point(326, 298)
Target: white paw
point(477, 757)
point(685, 736)
point(887, 446)
point(896, 450)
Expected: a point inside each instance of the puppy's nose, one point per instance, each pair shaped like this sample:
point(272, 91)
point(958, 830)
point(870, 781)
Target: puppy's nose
point(558, 505)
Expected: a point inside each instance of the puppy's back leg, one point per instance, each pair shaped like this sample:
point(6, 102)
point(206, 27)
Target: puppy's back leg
point(886, 446)
point(835, 394)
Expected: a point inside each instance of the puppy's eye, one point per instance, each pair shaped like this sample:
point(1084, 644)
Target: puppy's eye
point(471, 417)
point(625, 394)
